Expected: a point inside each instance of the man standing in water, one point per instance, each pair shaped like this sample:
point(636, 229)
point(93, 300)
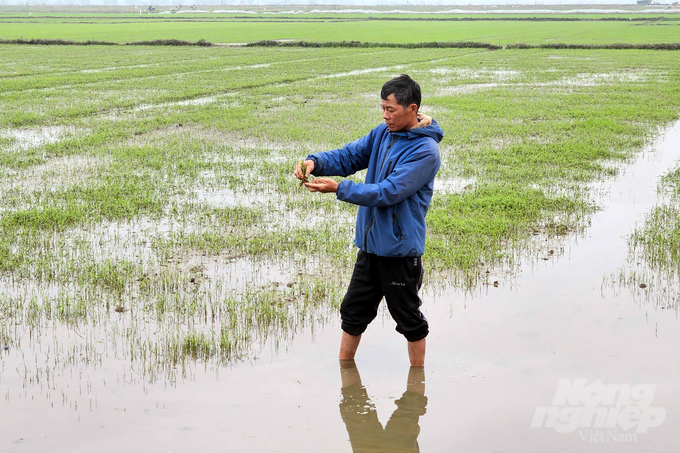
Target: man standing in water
point(402, 157)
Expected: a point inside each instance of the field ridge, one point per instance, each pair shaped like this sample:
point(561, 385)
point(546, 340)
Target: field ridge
point(353, 44)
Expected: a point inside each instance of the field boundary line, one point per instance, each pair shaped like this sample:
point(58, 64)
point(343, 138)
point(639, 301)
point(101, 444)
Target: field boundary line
point(355, 44)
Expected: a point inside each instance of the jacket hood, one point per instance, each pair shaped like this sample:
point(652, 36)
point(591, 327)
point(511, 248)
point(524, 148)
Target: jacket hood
point(427, 127)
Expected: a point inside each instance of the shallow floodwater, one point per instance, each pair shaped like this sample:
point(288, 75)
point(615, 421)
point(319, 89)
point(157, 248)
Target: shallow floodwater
point(495, 361)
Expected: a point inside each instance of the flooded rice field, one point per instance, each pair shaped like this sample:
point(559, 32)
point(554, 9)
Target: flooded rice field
point(166, 285)
point(561, 335)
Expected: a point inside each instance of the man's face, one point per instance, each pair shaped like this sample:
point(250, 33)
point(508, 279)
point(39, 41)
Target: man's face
point(396, 116)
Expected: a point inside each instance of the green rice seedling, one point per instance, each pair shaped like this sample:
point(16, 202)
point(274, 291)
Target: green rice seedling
point(303, 169)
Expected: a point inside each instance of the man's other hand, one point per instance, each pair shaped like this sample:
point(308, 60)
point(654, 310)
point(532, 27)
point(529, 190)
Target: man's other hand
point(323, 185)
point(309, 163)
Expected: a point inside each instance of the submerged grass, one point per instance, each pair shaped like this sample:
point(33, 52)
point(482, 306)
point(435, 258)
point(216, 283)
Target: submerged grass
point(117, 197)
point(651, 273)
point(657, 241)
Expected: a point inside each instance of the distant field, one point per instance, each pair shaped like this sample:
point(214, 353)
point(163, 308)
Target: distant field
point(394, 29)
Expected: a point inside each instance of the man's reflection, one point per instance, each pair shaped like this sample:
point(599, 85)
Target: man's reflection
point(366, 434)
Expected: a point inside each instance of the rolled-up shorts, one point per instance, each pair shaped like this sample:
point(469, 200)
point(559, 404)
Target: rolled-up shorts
point(398, 280)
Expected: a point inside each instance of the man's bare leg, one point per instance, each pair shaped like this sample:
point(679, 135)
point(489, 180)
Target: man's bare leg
point(416, 352)
point(348, 345)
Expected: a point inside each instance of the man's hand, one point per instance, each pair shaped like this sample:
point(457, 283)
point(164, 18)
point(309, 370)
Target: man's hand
point(298, 170)
point(323, 185)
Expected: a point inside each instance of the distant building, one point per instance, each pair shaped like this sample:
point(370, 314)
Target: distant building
point(644, 2)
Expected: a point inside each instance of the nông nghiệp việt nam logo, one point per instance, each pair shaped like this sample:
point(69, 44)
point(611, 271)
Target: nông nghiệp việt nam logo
point(601, 412)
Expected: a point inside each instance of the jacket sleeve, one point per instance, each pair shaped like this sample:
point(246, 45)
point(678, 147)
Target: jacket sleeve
point(344, 161)
point(407, 178)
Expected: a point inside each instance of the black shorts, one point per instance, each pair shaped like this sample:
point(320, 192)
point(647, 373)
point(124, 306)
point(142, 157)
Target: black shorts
point(398, 279)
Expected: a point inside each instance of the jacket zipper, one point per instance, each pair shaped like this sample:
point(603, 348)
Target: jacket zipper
point(396, 227)
point(370, 224)
point(394, 140)
point(389, 167)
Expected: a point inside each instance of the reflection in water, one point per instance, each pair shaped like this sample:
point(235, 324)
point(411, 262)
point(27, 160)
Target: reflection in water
point(366, 434)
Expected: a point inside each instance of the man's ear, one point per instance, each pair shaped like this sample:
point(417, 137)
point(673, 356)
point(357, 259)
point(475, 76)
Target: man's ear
point(412, 109)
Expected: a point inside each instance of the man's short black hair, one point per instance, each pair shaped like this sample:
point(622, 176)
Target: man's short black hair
point(405, 90)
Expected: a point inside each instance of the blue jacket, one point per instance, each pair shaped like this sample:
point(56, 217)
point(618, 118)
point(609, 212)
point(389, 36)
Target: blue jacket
point(396, 194)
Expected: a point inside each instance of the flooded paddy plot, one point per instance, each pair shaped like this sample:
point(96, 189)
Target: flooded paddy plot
point(166, 282)
point(32, 138)
point(54, 175)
